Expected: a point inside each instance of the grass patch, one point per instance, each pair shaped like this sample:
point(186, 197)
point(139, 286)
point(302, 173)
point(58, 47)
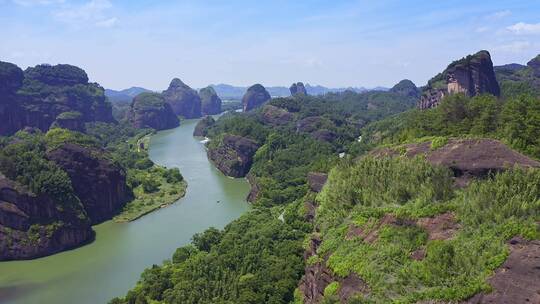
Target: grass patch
point(145, 202)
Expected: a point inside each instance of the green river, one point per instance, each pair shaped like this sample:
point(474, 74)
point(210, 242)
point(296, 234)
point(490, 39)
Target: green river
point(111, 265)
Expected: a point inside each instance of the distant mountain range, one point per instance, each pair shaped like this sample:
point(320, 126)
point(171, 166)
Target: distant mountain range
point(226, 91)
point(124, 95)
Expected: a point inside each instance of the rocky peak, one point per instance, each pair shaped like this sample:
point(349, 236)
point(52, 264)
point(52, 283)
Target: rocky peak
point(97, 181)
point(535, 65)
point(57, 75)
point(255, 96)
point(183, 100)
point(11, 78)
point(210, 101)
point(149, 110)
point(406, 88)
point(298, 89)
point(472, 75)
point(233, 155)
point(45, 96)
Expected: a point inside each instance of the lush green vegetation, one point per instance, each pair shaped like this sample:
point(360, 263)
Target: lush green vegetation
point(515, 121)
point(23, 159)
point(287, 155)
point(153, 186)
point(489, 213)
point(255, 259)
point(385, 198)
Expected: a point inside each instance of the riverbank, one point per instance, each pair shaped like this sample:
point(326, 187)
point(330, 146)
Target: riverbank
point(165, 190)
point(145, 203)
point(112, 264)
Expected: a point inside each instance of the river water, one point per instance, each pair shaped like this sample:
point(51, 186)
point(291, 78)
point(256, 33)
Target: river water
point(112, 264)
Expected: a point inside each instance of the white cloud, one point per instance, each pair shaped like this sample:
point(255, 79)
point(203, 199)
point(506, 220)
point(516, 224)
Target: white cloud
point(90, 13)
point(523, 28)
point(37, 2)
point(499, 15)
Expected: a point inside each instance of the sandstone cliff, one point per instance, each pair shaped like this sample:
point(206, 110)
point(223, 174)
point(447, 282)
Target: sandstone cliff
point(37, 96)
point(183, 100)
point(210, 101)
point(98, 182)
point(255, 96)
point(33, 225)
point(472, 75)
point(233, 155)
point(201, 129)
point(149, 110)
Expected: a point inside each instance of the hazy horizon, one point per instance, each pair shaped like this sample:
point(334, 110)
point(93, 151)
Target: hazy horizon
point(340, 43)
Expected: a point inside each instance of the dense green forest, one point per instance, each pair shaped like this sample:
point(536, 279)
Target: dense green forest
point(373, 216)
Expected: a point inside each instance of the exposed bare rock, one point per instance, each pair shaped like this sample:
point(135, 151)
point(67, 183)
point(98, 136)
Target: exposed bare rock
point(149, 110)
point(472, 75)
point(210, 101)
point(183, 100)
point(316, 181)
point(274, 116)
point(42, 95)
point(255, 96)
point(33, 226)
point(440, 227)
point(517, 280)
point(467, 158)
point(234, 155)
point(69, 120)
point(97, 181)
point(352, 285)
point(201, 129)
point(317, 276)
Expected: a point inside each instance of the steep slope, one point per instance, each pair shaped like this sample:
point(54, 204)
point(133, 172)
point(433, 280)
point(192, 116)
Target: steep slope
point(472, 75)
point(46, 92)
point(255, 96)
point(149, 110)
point(183, 100)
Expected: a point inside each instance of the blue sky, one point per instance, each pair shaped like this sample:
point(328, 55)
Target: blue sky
point(333, 43)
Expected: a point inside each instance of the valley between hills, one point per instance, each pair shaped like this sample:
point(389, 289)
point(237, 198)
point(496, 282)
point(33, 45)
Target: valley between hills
point(410, 194)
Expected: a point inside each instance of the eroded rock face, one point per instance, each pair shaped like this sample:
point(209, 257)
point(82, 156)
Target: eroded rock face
point(516, 281)
point(255, 96)
point(473, 75)
point(210, 101)
point(38, 96)
point(316, 181)
point(149, 110)
point(97, 181)
point(298, 89)
point(32, 226)
point(201, 129)
point(69, 120)
point(274, 116)
point(467, 158)
point(183, 100)
point(234, 155)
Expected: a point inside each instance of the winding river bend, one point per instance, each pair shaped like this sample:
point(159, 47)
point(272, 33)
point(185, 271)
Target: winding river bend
point(112, 264)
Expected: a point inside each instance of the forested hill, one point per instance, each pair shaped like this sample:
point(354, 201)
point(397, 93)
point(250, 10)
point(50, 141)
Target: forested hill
point(420, 206)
